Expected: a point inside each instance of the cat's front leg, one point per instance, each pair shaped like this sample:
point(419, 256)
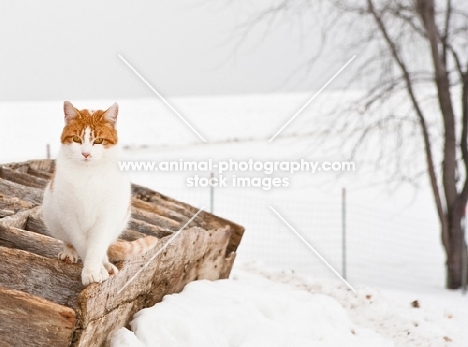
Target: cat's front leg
point(93, 264)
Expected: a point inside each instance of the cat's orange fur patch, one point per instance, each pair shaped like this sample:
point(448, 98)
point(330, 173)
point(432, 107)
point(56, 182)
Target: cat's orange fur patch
point(96, 122)
point(124, 250)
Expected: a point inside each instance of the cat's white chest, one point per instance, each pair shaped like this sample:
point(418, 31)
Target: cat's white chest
point(92, 184)
point(85, 195)
point(86, 191)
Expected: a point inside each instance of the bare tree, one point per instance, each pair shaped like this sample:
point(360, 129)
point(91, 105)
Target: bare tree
point(415, 51)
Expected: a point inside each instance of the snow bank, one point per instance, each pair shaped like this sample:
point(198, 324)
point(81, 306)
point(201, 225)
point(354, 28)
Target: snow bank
point(408, 319)
point(249, 312)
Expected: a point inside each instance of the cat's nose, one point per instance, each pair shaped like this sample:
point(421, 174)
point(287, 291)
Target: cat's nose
point(86, 155)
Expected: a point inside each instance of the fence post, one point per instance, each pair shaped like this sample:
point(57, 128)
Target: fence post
point(343, 231)
point(211, 194)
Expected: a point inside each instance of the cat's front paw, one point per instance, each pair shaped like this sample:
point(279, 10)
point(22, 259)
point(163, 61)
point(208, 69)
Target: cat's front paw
point(88, 277)
point(68, 255)
point(110, 268)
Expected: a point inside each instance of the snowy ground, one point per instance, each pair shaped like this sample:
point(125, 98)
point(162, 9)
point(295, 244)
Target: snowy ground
point(383, 228)
point(257, 307)
point(246, 311)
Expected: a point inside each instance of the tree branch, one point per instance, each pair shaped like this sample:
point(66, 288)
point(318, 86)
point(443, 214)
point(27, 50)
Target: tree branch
point(426, 9)
point(445, 37)
point(420, 115)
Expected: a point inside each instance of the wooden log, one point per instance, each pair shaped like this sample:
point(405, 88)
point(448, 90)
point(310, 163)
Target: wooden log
point(98, 332)
point(227, 265)
point(22, 178)
point(17, 220)
point(40, 174)
point(30, 241)
point(50, 279)
point(14, 204)
point(28, 320)
point(19, 167)
point(148, 229)
point(35, 222)
point(210, 221)
point(6, 213)
point(150, 218)
point(131, 235)
point(237, 231)
point(181, 216)
point(45, 166)
point(25, 193)
point(164, 203)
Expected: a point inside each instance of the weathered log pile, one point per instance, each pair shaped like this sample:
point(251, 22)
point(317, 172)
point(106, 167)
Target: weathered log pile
point(42, 300)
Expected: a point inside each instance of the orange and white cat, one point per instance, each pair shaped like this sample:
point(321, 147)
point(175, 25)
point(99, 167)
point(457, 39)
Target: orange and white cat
point(87, 203)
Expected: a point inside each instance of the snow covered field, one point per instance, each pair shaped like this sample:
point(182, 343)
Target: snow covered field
point(257, 307)
point(246, 311)
point(394, 256)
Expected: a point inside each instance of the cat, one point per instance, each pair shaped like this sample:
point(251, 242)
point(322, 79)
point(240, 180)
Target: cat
point(87, 202)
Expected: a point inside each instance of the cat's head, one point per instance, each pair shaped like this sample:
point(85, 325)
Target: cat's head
point(89, 136)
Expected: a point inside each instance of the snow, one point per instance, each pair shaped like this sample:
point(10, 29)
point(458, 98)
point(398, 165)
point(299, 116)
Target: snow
point(248, 311)
point(259, 307)
point(437, 321)
point(383, 229)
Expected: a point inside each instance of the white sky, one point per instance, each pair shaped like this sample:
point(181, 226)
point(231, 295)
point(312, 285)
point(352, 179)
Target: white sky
point(68, 50)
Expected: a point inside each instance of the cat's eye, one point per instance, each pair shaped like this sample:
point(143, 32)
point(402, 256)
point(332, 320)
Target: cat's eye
point(98, 141)
point(76, 139)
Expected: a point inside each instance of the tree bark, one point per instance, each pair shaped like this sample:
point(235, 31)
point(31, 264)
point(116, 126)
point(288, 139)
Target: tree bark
point(455, 256)
point(455, 202)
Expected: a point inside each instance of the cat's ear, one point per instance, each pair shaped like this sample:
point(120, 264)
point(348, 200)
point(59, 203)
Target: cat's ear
point(111, 114)
point(70, 111)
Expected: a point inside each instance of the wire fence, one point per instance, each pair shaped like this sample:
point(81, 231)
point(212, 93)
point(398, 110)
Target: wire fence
point(384, 250)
